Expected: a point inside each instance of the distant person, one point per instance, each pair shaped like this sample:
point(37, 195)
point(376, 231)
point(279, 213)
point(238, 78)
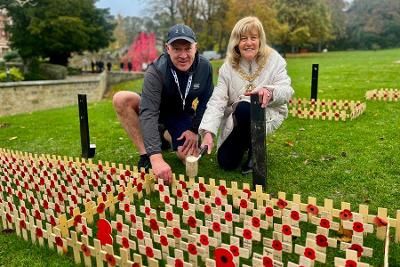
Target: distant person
point(251, 67)
point(129, 66)
point(109, 65)
point(171, 84)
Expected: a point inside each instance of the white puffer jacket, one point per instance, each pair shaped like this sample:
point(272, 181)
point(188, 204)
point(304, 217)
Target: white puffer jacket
point(230, 90)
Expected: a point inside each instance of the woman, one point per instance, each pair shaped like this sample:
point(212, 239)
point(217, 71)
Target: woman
point(251, 67)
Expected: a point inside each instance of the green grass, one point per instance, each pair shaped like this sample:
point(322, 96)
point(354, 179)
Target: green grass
point(354, 161)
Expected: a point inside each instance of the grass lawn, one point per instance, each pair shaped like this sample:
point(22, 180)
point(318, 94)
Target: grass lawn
point(354, 161)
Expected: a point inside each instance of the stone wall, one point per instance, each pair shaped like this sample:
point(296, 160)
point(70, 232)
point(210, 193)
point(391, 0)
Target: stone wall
point(21, 97)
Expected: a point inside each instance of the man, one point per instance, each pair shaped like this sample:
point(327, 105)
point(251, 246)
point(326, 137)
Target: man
point(171, 83)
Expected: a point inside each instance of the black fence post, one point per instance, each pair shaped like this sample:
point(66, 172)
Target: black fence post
point(314, 81)
point(88, 150)
point(258, 142)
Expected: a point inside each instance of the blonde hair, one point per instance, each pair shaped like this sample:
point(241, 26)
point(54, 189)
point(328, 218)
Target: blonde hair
point(243, 26)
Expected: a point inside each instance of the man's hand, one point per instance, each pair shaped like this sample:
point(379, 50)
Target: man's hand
point(264, 94)
point(208, 141)
point(189, 147)
point(161, 169)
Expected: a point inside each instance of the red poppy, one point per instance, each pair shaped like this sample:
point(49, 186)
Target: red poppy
point(110, 259)
point(39, 232)
point(121, 196)
point(164, 240)
point(37, 215)
point(177, 232)
point(277, 245)
point(142, 174)
point(325, 223)
point(178, 263)
point(312, 209)
point(185, 205)
point(125, 242)
point(169, 216)
point(247, 234)
point(52, 220)
point(269, 211)
point(267, 261)
point(22, 224)
point(321, 241)
point(192, 249)
point(223, 190)
point(196, 194)
point(207, 209)
point(161, 188)
point(149, 252)
point(281, 203)
point(139, 234)
point(358, 227)
point(127, 208)
point(192, 222)
point(228, 216)
point(179, 193)
point(350, 263)
point(309, 253)
point(204, 240)
point(167, 200)
point(243, 203)
point(223, 258)
point(256, 222)
point(77, 220)
point(100, 208)
point(202, 187)
point(23, 210)
point(248, 192)
point(85, 249)
point(235, 250)
point(84, 230)
point(357, 248)
point(346, 215)
point(295, 215)
point(59, 241)
point(218, 201)
point(379, 222)
point(147, 211)
point(139, 187)
point(119, 226)
point(133, 218)
point(216, 226)
point(286, 229)
point(153, 224)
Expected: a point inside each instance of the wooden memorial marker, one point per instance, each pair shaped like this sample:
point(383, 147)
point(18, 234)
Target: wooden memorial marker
point(151, 253)
point(357, 245)
point(295, 215)
point(274, 247)
point(205, 242)
point(322, 239)
point(287, 230)
point(266, 260)
point(165, 242)
point(350, 260)
point(310, 251)
point(178, 260)
point(237, 251)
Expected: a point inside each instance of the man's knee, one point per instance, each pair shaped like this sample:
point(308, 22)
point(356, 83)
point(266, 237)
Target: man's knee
point(126, 100)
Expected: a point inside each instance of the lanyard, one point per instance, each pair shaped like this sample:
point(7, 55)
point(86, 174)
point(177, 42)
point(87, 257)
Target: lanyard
point(189, 83)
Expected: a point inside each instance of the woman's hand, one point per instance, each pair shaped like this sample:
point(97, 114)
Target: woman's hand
point(264, 94)
point(208, 141)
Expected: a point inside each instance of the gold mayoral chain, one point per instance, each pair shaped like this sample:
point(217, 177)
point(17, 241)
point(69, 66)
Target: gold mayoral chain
point(250, 77)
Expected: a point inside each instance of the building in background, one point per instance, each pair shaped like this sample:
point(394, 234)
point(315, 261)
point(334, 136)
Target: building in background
point(3, 35)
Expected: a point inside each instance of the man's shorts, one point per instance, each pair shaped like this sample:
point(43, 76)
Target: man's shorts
point(176, 126)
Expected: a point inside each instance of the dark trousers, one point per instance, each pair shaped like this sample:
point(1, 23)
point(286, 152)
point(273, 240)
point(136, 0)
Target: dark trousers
point(231, 151)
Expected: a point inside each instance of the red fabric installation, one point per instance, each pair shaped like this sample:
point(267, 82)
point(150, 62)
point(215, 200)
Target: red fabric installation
point(142, 52)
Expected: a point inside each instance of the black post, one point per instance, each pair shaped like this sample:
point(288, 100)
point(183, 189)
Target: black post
point(314, 81)
point(258, 143)
point(88, 150)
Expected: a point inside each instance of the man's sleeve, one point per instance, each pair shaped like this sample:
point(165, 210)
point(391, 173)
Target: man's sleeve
point(203, 99)
point(150, 110)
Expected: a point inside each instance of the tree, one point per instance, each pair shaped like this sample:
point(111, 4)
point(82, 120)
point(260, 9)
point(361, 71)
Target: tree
point(54, 28)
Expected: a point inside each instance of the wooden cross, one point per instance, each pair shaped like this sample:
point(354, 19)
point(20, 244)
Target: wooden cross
point(165, 241)
point(184, 204)
point(350, 260)
point(266, 260)
point(287, 230)
point(217, 227)
point(276, 245)
point(191, 219)
point(357, 245)
point(139, 233)
point(310, 251)
point(325, 221)
point(260, 197)
point(151, 253)
point(322, 239)
point(55, 238)
point(357, 226)
point(236, 250)
point(124, 241)
point(295, 215)
point(177, 233)
point(303, 262)
point(178, 260)
point(248, 235)
point(244, 204)
point(192, 249)
point(119, 224)
point(270, 213)
point(205, 242)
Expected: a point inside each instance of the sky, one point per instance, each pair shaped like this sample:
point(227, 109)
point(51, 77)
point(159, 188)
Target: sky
point(123, 7)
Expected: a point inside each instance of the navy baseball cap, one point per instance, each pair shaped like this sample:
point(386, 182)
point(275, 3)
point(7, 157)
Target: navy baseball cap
point(181, 32)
